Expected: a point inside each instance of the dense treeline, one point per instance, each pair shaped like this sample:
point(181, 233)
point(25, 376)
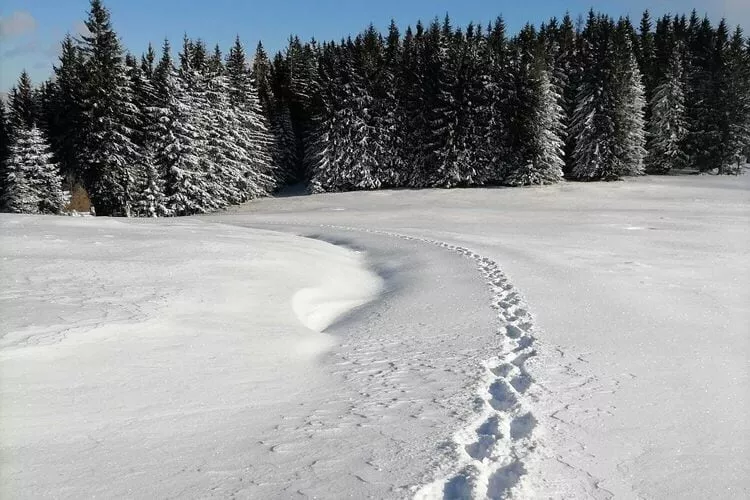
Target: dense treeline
point(436, 106)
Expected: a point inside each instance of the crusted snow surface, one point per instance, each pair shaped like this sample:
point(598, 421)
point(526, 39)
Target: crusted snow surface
point(638, 380)
point(574, 341)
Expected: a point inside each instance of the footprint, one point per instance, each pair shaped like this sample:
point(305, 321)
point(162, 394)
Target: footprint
point(458, 488)
point(504, 479)
point(513, 331)
point(523, 358)
point(482, 448)
point(503, 398)
point(487, 435)
point(522, 427)
point(503, 370)
point(521, 383)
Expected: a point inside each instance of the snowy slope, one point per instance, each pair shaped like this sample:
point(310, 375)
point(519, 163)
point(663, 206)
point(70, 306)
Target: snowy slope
point(582, 340)
point(639, 290)
point(146, 360)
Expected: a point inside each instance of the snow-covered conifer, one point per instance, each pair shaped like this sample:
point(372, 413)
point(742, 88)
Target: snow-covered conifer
point(537, 146)
point(32, 180)
point(736, 94)
point(595, 116)
point(667, 127)
point(630, 106)
point(110, 116)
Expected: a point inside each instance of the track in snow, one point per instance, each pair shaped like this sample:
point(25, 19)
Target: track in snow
point(493, 450)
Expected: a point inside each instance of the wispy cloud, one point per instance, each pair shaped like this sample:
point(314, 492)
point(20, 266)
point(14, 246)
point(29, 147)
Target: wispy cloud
point(47, 50)
point(17, 24)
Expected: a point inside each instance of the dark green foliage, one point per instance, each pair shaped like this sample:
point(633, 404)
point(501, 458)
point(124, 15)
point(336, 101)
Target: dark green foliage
point(436, 106)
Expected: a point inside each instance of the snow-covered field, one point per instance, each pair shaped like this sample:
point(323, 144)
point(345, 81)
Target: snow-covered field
point(582, 340)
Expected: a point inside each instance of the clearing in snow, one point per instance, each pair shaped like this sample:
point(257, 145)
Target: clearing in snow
point(383, 345)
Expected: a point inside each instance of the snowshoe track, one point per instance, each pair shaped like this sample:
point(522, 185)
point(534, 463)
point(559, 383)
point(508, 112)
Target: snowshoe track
point(492, 450)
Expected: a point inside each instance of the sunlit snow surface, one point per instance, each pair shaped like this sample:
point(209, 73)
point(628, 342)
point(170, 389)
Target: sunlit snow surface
point(363, 353)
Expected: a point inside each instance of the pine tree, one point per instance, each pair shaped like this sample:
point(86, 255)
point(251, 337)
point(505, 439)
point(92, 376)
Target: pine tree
point(180, 151)
point(4, 150)
point(536, 144)
point(149, 200)
point(630, 105)
point(442, 149)
point(322, 144)
point(567, 75)
point(645, 53)
point(260, 76)
point(389, 119)
point(501, 97)
point(667, 127)
point(32, 181)
point(413, 105)
point(736, 96)
point(359, 152)
point(22, 104)
point(109, 116)
point(250, 129)
point(67, 128)
point(594, 155)
point(701, 96)
point(286, 149)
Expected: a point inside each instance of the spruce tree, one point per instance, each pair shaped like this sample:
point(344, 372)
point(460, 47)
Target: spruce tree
point(567, 75)
point(260, 76)
point(389, 121)
point(32, 181)
point(442, 148)
point(359, 150)
point(67, 129)
point(108, 110)
point(22, 104)
point(594, 120)
point(414, 105)
point(180, 151)
point(4, 149)
point(286, 149)
point(736, 96)
point(500, 93)
point(703, 134)
point(250, 129)
point(645, 53)
point(536, 144)
point(630, 105)
point(667, 127)
point(149, 200)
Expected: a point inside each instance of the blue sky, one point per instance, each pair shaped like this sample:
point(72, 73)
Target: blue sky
point(30, 30)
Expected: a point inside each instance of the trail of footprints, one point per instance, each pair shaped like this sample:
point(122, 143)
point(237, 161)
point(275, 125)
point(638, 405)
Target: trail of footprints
point(493, 449)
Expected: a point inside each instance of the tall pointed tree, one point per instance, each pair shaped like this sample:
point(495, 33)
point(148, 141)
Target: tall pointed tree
point(68, 127)
point(595, 152)
point(22, 104)
point(109, 113)
point(252, 131)
point(736, 95)
point(667, 127)
point(537, 156)
point(630, 104)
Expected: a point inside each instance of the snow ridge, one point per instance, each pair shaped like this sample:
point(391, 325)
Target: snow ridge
point(494, 448)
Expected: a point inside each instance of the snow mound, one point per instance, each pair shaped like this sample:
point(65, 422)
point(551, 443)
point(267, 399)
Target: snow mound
point(345, 288)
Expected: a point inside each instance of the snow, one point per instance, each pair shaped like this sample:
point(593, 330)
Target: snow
point(572, 341)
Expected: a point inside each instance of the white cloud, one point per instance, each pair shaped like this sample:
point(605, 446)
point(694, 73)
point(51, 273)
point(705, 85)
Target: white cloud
point(17, 24)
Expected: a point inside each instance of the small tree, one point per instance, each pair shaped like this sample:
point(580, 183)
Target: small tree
point(32, 180)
